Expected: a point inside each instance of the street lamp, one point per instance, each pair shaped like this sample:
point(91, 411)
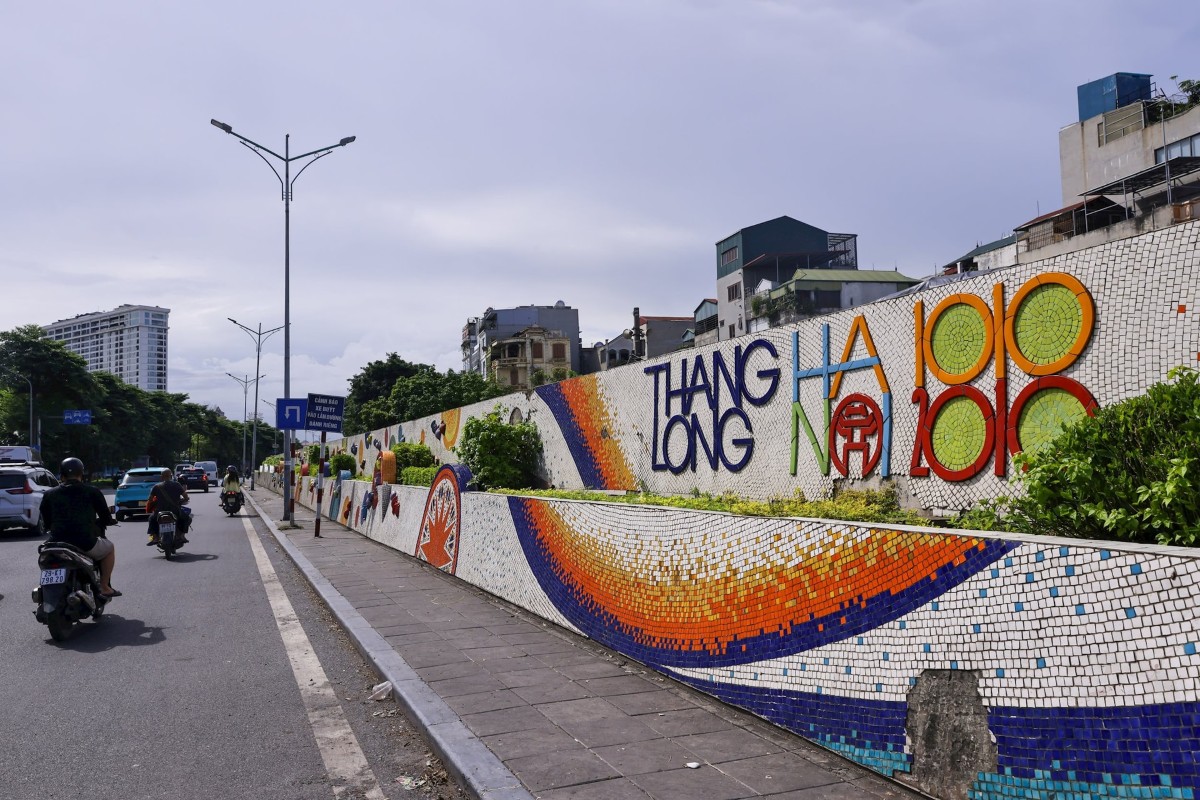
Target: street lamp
point(258, 338)
point(286, 182)
point(272, 405)
point(245, 382)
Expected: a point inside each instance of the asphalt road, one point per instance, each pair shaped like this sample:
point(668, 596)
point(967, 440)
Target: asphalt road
point(185, 687)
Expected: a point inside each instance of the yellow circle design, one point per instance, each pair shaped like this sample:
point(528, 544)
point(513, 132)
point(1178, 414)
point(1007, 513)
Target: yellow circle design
point(1049, 323)
point(959, 433)
point(958, 339)
point(1047, 414)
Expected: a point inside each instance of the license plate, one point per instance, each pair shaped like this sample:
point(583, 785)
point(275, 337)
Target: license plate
point(52, 576)
point(166, 527)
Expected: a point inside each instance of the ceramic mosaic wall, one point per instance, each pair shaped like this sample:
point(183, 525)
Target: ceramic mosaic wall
point(935, 390)
point(1086, 656)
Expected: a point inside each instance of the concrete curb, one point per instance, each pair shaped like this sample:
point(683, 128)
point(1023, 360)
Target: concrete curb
point(481, 773)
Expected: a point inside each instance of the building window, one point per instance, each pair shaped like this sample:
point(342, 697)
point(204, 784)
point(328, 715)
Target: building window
point(513, 351)
point(734, 291)
point(558, 351)
point(729, 256)
point(514, 377)
point(731, 333)
point(537, 350)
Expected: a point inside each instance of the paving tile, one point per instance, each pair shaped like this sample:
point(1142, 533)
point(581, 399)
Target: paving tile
point(560, 768)
point(467, 684)
point(528, 677)
point(481, 702)
point(517, 744)
point(505, 721)
point(685, 722)
point(616, 789)
point(638, 758)
point(593, 669)
point(732, 744)
point(624, 684)
point(486, 653)
point(655, 702)
point(428, 654)
point(705, 783)
point(455, 669)
point(778, 772)
point(552, 692)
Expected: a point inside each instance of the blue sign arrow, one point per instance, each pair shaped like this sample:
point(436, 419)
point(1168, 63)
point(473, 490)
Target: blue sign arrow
point(290, 413)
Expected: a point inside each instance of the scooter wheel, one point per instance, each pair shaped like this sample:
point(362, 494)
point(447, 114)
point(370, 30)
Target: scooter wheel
point(60, 628)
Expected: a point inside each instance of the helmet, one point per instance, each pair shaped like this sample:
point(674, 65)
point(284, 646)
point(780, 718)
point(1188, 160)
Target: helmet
point(71, 467)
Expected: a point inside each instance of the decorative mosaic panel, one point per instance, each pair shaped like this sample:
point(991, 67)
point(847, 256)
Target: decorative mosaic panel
point(935, 390)
point(1087, 657)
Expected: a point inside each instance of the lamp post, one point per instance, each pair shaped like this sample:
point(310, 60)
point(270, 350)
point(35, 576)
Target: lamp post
point(258, 338)
point(245, 382)
point(286, 181)
point(272, 405)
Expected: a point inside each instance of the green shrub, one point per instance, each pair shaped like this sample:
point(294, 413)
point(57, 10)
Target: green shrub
point(1128, 473)
point(342, 461)
point(878, 506)
point(500, 455)
point(312, 455)
point(412, 454)
point(418, 476)
point(271, 461)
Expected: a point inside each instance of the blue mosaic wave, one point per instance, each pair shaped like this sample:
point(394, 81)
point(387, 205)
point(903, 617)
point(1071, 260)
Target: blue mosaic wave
point(585, 460)
point(869, 732)
point(1123, 746)
point(860, 614)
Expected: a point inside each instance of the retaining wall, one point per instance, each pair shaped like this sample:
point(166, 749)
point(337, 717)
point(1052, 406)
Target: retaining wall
point(969, 664)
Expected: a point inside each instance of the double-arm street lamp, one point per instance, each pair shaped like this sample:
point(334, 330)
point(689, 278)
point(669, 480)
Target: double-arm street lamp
point(286, 181)
point(245, 382)
point(259, 337)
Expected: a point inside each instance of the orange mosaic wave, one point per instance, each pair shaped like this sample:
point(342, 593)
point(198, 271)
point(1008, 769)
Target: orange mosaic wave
point(710, 605)
point(582, 396)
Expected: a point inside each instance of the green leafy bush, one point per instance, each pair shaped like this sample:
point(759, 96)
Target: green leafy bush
point(418, 476)
point(1128, 473)
point(342, 461)
point(271, 461)
point(878, 506)
point(412, 454)
point(312, 455)
point(500, 455)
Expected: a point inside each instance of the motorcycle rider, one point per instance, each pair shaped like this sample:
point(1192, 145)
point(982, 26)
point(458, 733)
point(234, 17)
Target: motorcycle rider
point(167, 495)
point(232, 483)
point(77, 514)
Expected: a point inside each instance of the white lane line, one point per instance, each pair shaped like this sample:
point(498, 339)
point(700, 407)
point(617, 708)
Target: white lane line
point(344, 760)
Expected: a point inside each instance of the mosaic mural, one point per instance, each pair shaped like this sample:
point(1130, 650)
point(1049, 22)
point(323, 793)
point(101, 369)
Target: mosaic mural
point(1086, 656)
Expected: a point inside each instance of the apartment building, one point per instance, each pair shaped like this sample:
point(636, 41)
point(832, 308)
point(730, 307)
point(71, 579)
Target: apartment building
point(129, 342)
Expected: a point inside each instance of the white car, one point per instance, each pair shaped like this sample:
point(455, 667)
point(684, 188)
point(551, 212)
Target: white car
point(22, 487)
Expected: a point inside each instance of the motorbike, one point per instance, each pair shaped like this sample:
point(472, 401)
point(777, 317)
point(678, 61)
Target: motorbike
point(69, 589)
point(170, 533)
point(231, 503)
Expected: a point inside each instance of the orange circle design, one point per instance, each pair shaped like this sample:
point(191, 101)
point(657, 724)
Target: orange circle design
point(949, 378)
point(1087, 310)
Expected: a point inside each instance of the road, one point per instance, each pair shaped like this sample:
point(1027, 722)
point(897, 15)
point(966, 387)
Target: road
point(198, 682)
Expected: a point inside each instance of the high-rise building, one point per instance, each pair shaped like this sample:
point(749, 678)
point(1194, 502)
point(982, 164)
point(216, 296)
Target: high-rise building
point(130, 342)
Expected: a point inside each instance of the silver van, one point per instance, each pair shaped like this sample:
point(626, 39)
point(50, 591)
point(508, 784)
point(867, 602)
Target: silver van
point(210, 469)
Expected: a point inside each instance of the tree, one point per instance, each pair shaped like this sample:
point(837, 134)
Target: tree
point(374, 383)
point(499, 455)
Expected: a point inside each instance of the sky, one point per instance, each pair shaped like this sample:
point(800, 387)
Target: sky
point(513, 153)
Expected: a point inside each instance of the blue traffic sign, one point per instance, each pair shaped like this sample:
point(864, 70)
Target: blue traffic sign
point(77, 417)
point(324, 413)
point(290, 413)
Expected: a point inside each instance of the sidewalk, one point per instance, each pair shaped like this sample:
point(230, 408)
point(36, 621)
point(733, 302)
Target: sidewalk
point(518, 708)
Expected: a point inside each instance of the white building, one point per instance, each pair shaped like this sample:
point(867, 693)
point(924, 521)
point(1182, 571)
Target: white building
point(130, 342)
